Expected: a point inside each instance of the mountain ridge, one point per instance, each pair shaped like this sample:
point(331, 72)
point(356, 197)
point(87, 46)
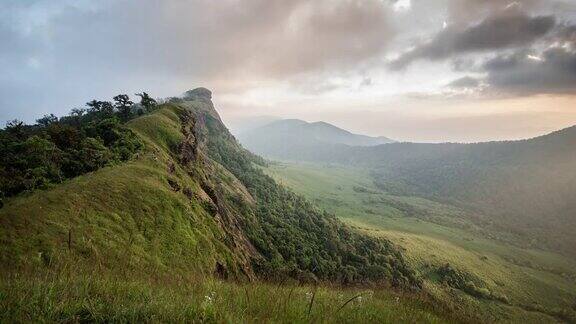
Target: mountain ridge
point(213, 192)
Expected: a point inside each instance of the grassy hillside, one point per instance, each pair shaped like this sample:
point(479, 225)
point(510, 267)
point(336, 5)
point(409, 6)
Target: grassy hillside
point(527, 188)
point(126, 216)
point(193, 194)
point(142, 240)
point(517, 284)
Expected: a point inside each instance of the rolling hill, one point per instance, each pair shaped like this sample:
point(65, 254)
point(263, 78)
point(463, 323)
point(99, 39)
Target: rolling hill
point(284, 137)
point(526, 189)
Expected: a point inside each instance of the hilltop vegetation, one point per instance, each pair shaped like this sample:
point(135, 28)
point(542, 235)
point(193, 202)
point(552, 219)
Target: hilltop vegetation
point(55, 149)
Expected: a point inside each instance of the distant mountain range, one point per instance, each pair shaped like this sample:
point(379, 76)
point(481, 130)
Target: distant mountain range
point(282, 138)
point(527, 187)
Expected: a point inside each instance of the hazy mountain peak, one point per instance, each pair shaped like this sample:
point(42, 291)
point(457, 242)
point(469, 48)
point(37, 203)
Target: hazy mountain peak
point(293, 121)
point(281, 137)
point(322, 123)
point(317, 130)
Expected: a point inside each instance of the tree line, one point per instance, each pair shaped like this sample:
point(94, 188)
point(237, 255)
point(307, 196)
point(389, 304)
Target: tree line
point(55, 149)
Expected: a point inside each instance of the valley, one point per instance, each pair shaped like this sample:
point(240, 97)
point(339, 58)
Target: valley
point(524, 283)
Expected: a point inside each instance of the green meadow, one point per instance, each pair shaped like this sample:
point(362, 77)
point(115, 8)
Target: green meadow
point(526, 284)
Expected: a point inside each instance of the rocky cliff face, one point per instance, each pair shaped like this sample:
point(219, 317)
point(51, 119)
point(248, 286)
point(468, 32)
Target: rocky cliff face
point(192, 157)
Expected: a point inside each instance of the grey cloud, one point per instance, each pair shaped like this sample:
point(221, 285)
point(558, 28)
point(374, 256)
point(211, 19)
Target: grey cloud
point(494, 33)
point(464, 64)
point(464, 11)
point(465, 82)
point(222, 44)
point(565, 34)
point(213, 39)
point(549, 68)
point(517, 74)
point(526, 72)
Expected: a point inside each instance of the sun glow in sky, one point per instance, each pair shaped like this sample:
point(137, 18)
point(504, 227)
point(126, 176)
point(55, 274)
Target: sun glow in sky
point(420, 70)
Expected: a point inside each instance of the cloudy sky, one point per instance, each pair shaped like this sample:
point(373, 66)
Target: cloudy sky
point(417, 70)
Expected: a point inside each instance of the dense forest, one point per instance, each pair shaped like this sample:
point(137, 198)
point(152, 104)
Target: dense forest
point(54, 149)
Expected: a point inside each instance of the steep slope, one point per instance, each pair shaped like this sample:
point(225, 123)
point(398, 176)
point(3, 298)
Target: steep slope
point(145, 214)
point(293, 237)
point(283, 138)
point(193, 201)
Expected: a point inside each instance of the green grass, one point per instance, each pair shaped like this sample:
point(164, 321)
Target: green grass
point(107, 299)
point(530, 279)
point(119, 217)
